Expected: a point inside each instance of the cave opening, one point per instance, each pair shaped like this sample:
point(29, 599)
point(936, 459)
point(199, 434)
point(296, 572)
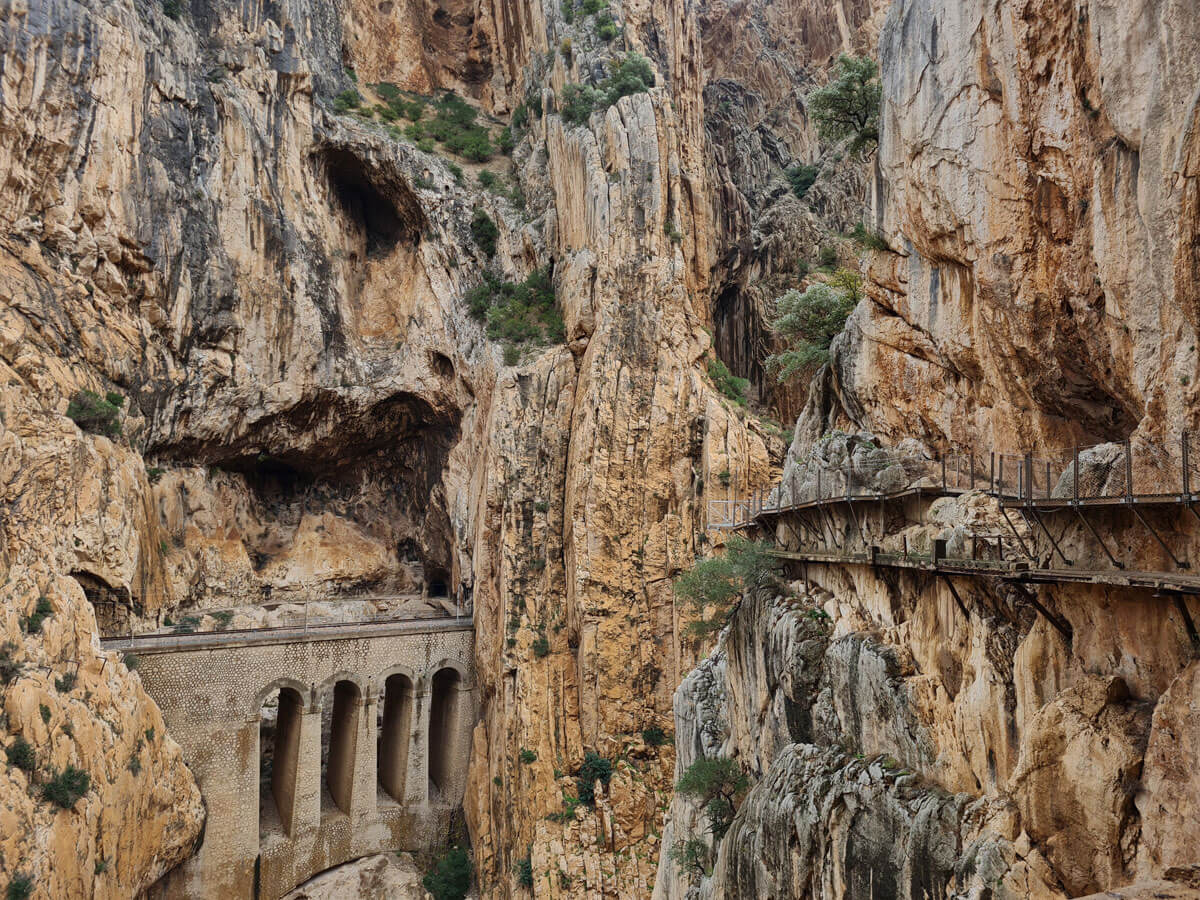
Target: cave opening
point(364, 204)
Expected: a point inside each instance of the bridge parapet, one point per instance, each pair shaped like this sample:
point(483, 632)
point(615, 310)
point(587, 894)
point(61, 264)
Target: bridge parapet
point(309, 790)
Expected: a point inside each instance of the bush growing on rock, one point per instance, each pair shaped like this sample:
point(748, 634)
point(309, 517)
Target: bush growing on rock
point(9, 667)
point(726, 382)
point(577, 103)
point(66, 787)
point(848, 107)
point(41, 612)
point(485, 232)
point(347, 100)
point(517, 312)
point(718, 785)
point(654, 736)
point(21, 754)
point(810, 321)
point(691, 855)
point(630, 75)
point(594, 768)
point(714, 584)
point(524, 872)
point(450, 878)
point(96, 414)
point(801, 178)
point(20, 888)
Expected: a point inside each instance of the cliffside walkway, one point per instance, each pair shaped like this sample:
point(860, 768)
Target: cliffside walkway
point(1134, 475)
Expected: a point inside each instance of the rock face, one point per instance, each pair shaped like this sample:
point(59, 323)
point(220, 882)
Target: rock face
point(272, 286)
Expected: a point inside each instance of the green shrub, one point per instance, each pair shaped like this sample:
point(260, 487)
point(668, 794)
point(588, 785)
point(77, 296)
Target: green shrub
point(65, 684)
point(713, 585)
point(154, 473)
point(132, 661)
point(718, 784)
point(173, 9)
point(450, 878)
point(606, 28)
point(727, 383)
point(868, 239)
point(487, 179)
point(41, 612)
point(9, 667)
point(527, 756)
point(595, 768)
point(568, 11)
point(802, 268)
point(506, 142)
point(19, 888)
point(520, 116)
point(485, 232)
point(541, 506)
point(591, 7)
point(44, 711)
point(809, 322)
point(691, 856)
point(654, 736)
point(577, 103)
point(801, 178)
point(520, 312)
point(456, 171)
point(223, 618)
point(541, 646)
point(512, 354)
point(848, 107)
point(828, 256)
point(101, 866)
point(65, 788)
point(95, 414)
point(347, 100)
point(524, 872)
point(565, 47)
point(20, 753)
point(135, 766)
point(631, 75)
point(425, 145)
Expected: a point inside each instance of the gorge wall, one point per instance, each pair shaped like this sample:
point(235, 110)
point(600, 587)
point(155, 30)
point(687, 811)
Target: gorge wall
point(275, 285)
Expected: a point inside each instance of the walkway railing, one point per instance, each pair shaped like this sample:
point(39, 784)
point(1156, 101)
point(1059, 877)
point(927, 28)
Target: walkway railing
point(297, 615)
point(1132, 471)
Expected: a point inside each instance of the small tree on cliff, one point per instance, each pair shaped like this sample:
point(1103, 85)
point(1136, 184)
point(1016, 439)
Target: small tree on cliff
point(848, 107)
point(809, 322)
point(713, 585)
point(718, 784)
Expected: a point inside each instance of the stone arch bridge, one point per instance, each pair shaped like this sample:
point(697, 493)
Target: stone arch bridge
point(312, 748)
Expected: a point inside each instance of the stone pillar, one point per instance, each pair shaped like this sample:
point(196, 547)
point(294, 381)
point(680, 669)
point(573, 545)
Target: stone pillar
point(416, 787)
point(364, 796)
point(307, 814)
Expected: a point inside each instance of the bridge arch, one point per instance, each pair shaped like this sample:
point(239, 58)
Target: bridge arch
point(254, 709)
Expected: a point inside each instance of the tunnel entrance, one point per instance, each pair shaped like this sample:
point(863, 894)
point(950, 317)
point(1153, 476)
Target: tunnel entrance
point(395, 734)
point(279, 753)
point(443, 729)
point(339, 746)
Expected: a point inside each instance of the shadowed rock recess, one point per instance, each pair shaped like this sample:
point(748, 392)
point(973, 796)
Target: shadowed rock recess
point(366, 384)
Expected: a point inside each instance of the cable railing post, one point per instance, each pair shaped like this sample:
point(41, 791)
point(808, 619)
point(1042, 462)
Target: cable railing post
point(1128, 471)
point(943, 473)
point(818, 483)
point(1187, 490)
point(972, 468)
point(1075, 474)
point(1029, 479)
point(992, 472)
point(1047, 479)
point(1001, 474)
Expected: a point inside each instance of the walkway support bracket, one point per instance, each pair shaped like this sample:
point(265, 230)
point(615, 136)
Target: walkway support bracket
point(1061, 625)
point(1181, 564)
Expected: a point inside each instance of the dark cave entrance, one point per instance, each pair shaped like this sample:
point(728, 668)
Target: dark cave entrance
point(365, 205)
